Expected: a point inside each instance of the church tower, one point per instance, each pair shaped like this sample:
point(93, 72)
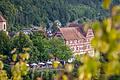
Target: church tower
point(2, 24)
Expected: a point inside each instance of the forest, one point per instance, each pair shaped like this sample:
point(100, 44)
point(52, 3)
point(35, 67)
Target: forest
point(24, 13)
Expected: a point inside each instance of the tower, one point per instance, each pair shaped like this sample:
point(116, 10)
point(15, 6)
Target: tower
point(89, 47)
point(2, 23)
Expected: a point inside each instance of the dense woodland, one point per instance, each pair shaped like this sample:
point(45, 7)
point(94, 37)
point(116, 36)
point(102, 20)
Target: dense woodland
point(23, 13)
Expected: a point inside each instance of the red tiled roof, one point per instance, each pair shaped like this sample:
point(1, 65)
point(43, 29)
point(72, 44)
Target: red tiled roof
point(74, 25)
point(71, 33)
point(81, 27)
point(2, 19)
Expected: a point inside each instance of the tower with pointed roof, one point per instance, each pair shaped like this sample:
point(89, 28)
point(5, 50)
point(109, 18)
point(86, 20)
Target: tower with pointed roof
point(2, 23)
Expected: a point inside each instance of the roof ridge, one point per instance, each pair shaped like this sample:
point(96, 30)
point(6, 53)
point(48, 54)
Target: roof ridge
point(68, 27)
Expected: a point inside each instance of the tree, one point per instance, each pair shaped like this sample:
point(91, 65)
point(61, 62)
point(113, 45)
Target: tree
point(105, 66)
point(59, 50)
point(55, 26)
point(5, 46)
point(40, 45)
point(18, 68)
point(26, 12)
point(20, 41)
point(45, 49)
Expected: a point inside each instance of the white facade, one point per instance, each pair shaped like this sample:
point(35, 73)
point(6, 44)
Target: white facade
point(3, 26)
point(82, 46)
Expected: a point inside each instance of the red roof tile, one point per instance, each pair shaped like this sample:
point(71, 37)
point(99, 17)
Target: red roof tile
point(2, 19)
point(71, 33)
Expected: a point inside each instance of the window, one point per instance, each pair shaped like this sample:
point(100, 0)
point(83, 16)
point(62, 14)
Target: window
point(79, 41)
point(77, 48)
point(4, 27)
point(88, 46)
point(75, 41)
point(81, 49)
point(70, 42)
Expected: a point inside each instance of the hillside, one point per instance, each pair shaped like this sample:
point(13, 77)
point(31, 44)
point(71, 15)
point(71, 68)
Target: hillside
point(23, 13)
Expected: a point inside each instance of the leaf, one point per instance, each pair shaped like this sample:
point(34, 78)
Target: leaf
point(14, 57)
point(26, 49)
point(112, 68)
point(23, 68)
point(69, 67)
point(55, 64)
point(104, 47)
point(115, 10)
point(26, 55)
point(107, 24)
point(113, 35)
point(22, 56)
point(1, 65)
point(65, 77)
point(3, 75)
point(106, 4)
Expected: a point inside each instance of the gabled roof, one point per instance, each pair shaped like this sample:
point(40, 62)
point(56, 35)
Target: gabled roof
point(2, 19)
point(72, 33)
point(81, 27)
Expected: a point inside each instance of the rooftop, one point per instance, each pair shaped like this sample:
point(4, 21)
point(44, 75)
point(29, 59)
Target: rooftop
point(2, 19)
point(72, 33)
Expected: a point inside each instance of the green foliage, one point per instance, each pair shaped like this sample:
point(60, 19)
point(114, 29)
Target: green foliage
point(90, 68)
point(106, 4)
point(3, 75)
point(4, 43)
point(18, 68)
point(20, 14)
point(108, 37)
point(59, 49)
point(20, 41)
point(1, 65)
point(105, 66)
point(21, 69)
point(44, 49)
point(45, 75)
point(40, 45)
point(15, 64)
